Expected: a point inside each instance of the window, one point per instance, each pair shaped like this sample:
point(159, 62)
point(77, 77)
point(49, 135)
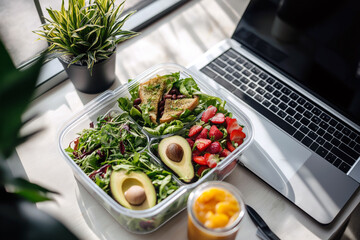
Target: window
point(20, 17)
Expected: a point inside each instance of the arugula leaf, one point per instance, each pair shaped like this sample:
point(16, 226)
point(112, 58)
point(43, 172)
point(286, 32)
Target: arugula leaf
point(134, 91)
point(125, 104)
point(173, 127)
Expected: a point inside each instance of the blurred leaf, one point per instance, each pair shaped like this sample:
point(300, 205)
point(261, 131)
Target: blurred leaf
point(16, 89)
point(30, 191)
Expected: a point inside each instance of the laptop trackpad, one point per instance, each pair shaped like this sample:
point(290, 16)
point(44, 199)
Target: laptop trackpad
point(321, 189)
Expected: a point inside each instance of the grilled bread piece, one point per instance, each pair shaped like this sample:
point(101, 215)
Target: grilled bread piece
point(173, 108)
point(151, 93)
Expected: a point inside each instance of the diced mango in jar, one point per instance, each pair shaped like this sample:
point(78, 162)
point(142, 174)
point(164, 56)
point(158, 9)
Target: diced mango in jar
point(217, 220)
point(216, 208)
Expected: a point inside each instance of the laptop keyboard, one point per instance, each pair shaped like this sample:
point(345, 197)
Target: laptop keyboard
point(300, 117)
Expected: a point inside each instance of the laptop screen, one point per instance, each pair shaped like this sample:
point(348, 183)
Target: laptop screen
point(314, 42)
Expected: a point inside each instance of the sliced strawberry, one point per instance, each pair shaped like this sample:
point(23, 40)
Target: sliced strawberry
point(214, 148)
point(219, 118)
point(201, 169)
point(195, 130)
point(196, 152)
point(209, 113)
point(237, 136)
point(230, 146)
point(215, 133)
point(202, 143)
point(232, 124)
point(200, 160)
point(211, 159)
point(203, 133)
point(191, 142)
point(227, 119)
point(225, 153)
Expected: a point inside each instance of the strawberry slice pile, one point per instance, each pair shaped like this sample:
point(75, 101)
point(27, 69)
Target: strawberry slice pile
point(213, 138)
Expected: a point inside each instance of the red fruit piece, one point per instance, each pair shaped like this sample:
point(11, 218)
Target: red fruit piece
point(196, 152)
point(211, 159)
point(219, 118)
point(209, 113)
point(195, 130)
point(215, 133)
point(230, 146)
point(225, 153)
point(191, 142)
point(232, 125)
point(237, 136)
point(202, 143)
point(214, 148)
point(203, 133)
point(200, 160)
point(201, 169)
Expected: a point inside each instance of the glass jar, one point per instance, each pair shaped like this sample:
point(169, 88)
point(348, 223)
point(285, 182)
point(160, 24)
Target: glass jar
point(197, 230)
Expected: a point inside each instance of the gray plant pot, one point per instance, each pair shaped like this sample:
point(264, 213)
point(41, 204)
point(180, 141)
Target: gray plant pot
point(102, 77)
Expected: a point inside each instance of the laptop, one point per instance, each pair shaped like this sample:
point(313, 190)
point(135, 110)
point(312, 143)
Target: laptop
point(295, 67)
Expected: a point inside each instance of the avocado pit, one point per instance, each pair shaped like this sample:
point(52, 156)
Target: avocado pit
point(174, 152)
point(135, 195)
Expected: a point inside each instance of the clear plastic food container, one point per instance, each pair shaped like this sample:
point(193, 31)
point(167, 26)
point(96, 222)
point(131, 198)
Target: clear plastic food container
point(149, 220)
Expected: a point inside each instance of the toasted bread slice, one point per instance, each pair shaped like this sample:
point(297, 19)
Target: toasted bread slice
point(151, 93)
point(173, 108)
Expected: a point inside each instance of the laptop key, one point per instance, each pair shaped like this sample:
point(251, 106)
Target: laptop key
point(328, 146)
point(246, 73)
point(294, 96)
point(223, 57)
point(229, 77)
point(322, 152)
point(259, 97)
point(330, 157)
point(266, 103)
point(290, 119)
point(283, 106)
point(285, 98)
point(255, 70)
point(231, 62)
point(224, 83)
point(250, 92)
point(344, 167)
point(263, 75)
point(337, 162)
point(252, 85)
point(300, 101)
point(208, 72)
point(269, 88)
point(308, 106)
point(239, 68)
point(277, 93)
point(236, 82)
point(278, 85)
point(260, 90)
point(236, 75)
point(220, 63)
point(281, 114)
point(304, 129)
point(314, 146)
point(270, 80)
point(231, 54)
point(229, 69)
point(316, 111)
point(244, 87)
point(248, 65)
point(286, 91)
point(244, 80)
point(312, 135)
point(268, 96)
point(275, 101)
point(325, 117)
point(307, 141)
point(254, 78)
point(262, 83)
point(274, 108)
point(299, 135)
point(217, 69)
point(240, 60)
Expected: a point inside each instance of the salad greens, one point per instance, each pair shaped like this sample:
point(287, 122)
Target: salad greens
point(187, 87)
point(114, 144)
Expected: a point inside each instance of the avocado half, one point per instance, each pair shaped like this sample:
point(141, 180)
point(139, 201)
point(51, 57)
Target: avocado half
point(183, 168)
point(120, 182)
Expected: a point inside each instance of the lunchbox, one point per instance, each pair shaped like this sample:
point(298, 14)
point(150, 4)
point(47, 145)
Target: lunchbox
point(149, 220)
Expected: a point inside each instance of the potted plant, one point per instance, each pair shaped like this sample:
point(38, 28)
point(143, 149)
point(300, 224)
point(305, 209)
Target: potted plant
point(84, 38)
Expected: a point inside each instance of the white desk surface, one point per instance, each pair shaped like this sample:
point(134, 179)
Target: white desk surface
point(179, 37)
